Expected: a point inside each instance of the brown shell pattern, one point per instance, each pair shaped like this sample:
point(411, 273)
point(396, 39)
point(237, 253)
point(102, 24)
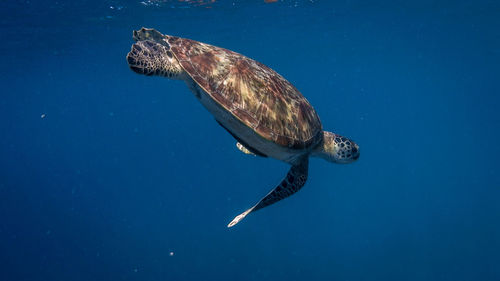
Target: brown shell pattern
point(254, 93)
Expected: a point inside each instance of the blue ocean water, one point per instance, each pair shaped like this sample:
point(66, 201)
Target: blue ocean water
point(109, 175)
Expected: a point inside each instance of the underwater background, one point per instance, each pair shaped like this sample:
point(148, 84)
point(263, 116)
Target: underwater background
point(110, 175)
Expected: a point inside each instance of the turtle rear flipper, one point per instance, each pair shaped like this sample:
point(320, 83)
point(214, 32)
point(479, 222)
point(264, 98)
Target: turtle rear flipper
point(294, 180)
point(244, 149)
point(243, 146)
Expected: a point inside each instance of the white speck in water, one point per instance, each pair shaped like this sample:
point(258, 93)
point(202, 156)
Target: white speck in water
point(42, 116)
point(171, 254)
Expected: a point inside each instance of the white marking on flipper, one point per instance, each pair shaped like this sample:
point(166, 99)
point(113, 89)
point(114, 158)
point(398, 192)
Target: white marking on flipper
point(239, 217)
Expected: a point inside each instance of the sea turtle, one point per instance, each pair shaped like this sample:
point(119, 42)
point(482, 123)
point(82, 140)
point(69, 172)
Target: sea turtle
point(266, 114)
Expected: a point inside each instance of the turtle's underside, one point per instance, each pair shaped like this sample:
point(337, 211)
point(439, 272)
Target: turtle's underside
point(266, 114)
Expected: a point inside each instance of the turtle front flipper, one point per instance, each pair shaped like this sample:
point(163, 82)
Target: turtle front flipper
point(294, 180)
point(150, 58)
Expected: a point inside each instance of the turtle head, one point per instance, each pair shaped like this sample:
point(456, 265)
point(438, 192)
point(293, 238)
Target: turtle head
point(151, 55)
point(336, 148)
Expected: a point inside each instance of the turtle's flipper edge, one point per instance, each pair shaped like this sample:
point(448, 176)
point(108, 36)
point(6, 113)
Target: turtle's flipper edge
point(293, 182)
point(239, 217)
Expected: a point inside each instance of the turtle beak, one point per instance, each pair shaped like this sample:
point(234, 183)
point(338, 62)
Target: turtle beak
point(355, 152)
